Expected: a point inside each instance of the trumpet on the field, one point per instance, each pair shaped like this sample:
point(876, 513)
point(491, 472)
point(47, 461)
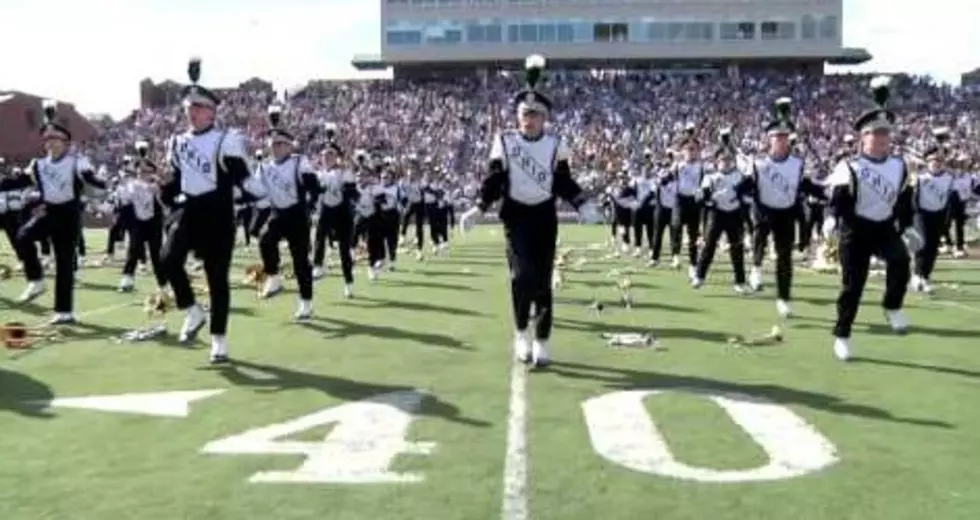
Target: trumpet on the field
point(255, 276)
point(18, 336)
point(773, 337)
point(625, 285)
point(158, 304)
point(825, 259)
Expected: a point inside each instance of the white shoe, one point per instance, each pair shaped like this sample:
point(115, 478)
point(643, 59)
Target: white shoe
point(842, 348)
point(624, 249)
point(783, 309)
point(925, 286)
point(219, 350)
point(539, 353)
point(419, 256)
point(348, 291)
point(675, 262)
point(273, 286)
point(696, 282)
point(80, 261)
point(739, 289)
point(692, 272)
point(915, 283)
point(637, 252)
point(305, 310)
point(897, 320)
point(318, 272)
point(195, 319)
point(755, 278)
point(959, 253)
point(522, 346)
point(943, 250)
point(33, 290)
point(372, 273)
point(127, 283)
point(653, 263)
point(62, 318)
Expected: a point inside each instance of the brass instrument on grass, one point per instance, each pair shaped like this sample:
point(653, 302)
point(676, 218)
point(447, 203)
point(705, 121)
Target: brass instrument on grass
point(19, 336)
point(773, 337)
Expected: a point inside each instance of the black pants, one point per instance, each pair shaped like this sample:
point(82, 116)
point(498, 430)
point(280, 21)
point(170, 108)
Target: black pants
point(814, 221)
point(391, 219)
point(730, 223)
point(688, 217)
point(416, 214)
point(531, 257)
point(60, 223)
point(438, 223)
point(930, 227)
point(244, 219)
point(143, 235)
point(781, 224)
point(859, 241)
point(206, 226)
point(956, 222)
point(663, 220)
point(336, 226)
point(80, 247)
point(117, 231)
point(374, 229)
point(259, 218)
point(293, 225)
point(624, 221)
point(10, 222)
point(643, 225)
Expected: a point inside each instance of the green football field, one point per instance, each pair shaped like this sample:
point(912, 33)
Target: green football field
point(404, 403)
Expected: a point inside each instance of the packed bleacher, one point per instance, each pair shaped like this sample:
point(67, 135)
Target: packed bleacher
point(610, 119)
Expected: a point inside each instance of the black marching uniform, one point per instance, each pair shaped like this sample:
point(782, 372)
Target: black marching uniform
point(721, 193)
point(933, 193)
point(689, 176)
point(663, 220)
point(414, 212)
point(206, 164)
point(146, 227)
point(336, 222)
point(288, 182)
point(779, 184)
point(59, 181)
point(528, 172)
point(871, 203)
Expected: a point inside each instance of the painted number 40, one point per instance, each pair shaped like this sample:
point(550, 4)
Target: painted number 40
point(367, 436)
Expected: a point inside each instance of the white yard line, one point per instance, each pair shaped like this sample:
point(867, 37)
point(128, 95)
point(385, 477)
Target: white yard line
point(96, 311)
point(515, 502)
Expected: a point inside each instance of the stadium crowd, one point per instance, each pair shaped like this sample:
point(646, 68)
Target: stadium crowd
point(610, 118)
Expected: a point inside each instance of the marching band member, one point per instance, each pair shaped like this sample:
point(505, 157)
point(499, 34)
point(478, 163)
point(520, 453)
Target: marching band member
point(689, 173)
point(778, 181)
point(206, 164)
point(146, 227)
point(643, 214)
point(340, 195)
point(390, 215)
point(933, 190)
point(288, 180)
point(414, 211)
point(663, 220)
point(122, 211)
point(262, 209)
point(432, 196)
point(966, 187)
point(871, 206)
point(529, 168)
point(59, 177)
point(624, 203)
point(722, 192)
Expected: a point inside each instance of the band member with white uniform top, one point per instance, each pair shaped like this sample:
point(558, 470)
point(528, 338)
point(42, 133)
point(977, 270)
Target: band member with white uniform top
point(933, 193)
point(778, 181)
point(871, 207)
point(146, 225)
point(722, 192)
point(59, 177)
point(288, 180)
point(336, 224)
point(206, 165)
point(689, 174)
point(529, 168)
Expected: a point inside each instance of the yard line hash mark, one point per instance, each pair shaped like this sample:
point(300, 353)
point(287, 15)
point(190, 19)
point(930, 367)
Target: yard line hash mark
point(515, 462)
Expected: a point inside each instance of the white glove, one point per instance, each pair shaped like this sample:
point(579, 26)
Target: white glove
point(829, 226)
point(913, 240)
point(588, 213)
point(468, 219)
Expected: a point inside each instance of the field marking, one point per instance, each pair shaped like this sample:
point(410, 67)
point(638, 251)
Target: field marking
point(515, 461)
point(94, 312)
point(158, 404)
